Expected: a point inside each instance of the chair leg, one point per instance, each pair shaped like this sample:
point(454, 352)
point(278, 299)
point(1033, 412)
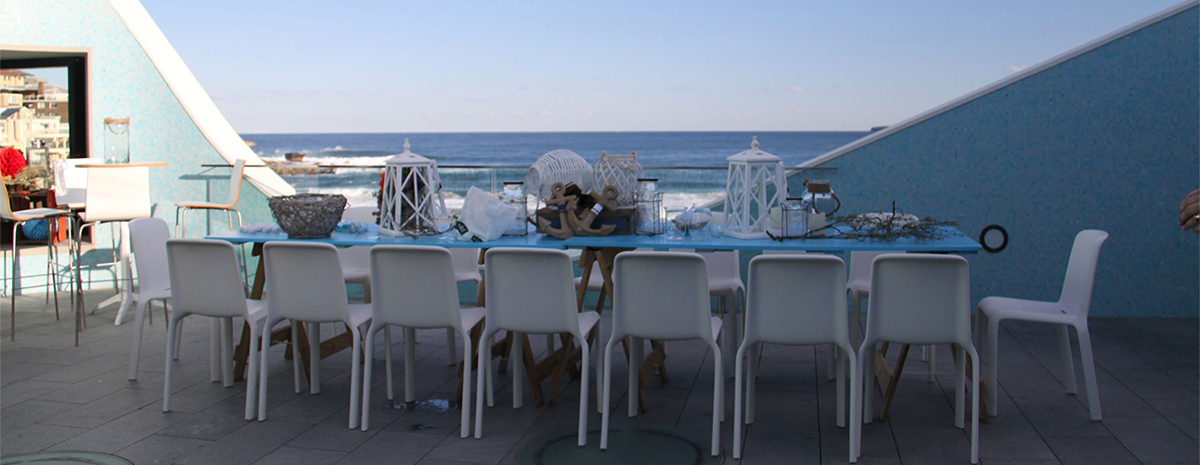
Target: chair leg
point(931, 356)
point(135, 348)
point(465, 404)
point(252, 371)
point(1068, 361)
point(960, 378)
point(314, 358)
point(855, 405)
point(262, 368)
point(169, 356)
point(606, 411)
point(387, 362)
point(355, 377)
point(214, 350)
point(12, 293)
point(583, 389)
point(635, 358)
point(369, 354)
point(993, 349)
point(484, 358)
point(740, 398)
point(410, 365)
point(751, 382)
point(450, 347)
point(866, 366)
point(840, 355)
point(1089, 371)
point(718, 399)
point(970, 350)
point(227, 351)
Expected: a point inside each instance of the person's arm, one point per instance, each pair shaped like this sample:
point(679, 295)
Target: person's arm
point(1189, 212)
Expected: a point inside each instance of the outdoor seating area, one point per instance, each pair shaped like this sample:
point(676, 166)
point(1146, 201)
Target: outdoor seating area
point(57, 397)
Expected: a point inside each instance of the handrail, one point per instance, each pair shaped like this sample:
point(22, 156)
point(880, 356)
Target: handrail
point(518, 167)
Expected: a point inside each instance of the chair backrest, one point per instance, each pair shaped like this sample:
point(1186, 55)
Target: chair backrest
point(661, 295)
point(148, 240)
point(235, 182)
point(6, 212)
point(1081, 271)
point(466, 264)
point(721, 264)
point(920, 299)
point(860, 264)
point(797, 299)
point(209, 280)
point(70, 181)
point(117, 193)
point(530, 289)
point(416, 288)
point(304, 281)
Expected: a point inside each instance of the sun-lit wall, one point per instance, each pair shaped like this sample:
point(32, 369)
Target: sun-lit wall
point(1105, 140)
point(124, 82)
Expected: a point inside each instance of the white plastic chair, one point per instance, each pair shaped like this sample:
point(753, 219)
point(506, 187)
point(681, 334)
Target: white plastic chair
point(530, 291)
point(1071, 310)
point(304, 284)
point(920, 299)
point(235, 193)
point(228, 206)
point(50, 215)
point(148, 239)
point(794, 300)
point(662, 296)
point(725, 281)
point(117, 194)
point(208, 283)
point(859, 286)
point(421, 294)
point(465, 261)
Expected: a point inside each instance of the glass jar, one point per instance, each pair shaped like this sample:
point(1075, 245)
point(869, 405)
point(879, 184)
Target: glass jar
point(648, 219)
point(116, 140)
point(514, 195)
point(795, 211)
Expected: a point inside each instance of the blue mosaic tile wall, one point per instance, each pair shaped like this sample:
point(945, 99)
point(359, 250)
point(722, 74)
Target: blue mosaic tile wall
point(1108, 140)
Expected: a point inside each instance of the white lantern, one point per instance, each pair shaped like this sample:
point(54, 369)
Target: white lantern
point(755, 184)
point(412, 195)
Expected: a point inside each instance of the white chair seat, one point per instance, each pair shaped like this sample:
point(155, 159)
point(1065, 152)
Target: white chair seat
point(37, 213)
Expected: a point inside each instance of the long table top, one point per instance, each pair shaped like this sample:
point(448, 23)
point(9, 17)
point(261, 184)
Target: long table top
point(952, 241)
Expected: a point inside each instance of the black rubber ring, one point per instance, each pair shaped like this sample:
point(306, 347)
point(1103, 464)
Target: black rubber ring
point(989, 228)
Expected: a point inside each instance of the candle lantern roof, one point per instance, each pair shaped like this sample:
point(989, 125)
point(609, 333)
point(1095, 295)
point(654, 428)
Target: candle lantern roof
point(408, 158)
point(754, 155)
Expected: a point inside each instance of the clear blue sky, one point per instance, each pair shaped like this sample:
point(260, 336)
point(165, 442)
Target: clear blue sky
point(614, 65)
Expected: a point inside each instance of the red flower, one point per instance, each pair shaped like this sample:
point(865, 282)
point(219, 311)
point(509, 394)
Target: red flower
point(12, 161)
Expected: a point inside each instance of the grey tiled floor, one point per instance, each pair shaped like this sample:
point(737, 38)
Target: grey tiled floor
point(55, 396)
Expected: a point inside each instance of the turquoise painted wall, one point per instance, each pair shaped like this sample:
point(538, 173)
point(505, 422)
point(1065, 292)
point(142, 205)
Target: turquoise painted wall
point(1107, 140)
point(124, 83)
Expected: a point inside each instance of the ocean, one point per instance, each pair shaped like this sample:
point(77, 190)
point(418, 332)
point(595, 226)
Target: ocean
point(681, 187)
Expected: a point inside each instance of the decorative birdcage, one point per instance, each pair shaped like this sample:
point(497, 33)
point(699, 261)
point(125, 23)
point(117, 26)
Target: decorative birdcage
point(620, 171)
point(412, 195)
point(755, 183)
point(559, 166)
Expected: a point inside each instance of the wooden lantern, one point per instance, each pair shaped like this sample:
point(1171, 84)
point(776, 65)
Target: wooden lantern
point(754, 185)
point(412, 195)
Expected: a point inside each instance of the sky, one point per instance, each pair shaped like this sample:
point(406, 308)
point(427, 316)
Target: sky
point(304, 66)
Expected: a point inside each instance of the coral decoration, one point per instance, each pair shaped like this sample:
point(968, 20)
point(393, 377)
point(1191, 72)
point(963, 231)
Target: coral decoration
point(12, 161)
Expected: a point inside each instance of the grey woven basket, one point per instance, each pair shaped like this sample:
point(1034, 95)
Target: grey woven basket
point(308, 216)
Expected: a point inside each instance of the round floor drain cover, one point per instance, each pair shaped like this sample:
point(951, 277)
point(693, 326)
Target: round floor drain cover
point(626, 446)
point(65, 458)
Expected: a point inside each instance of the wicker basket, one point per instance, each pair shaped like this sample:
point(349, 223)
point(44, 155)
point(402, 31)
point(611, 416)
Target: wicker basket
point(562, 166)
point(308, 216)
